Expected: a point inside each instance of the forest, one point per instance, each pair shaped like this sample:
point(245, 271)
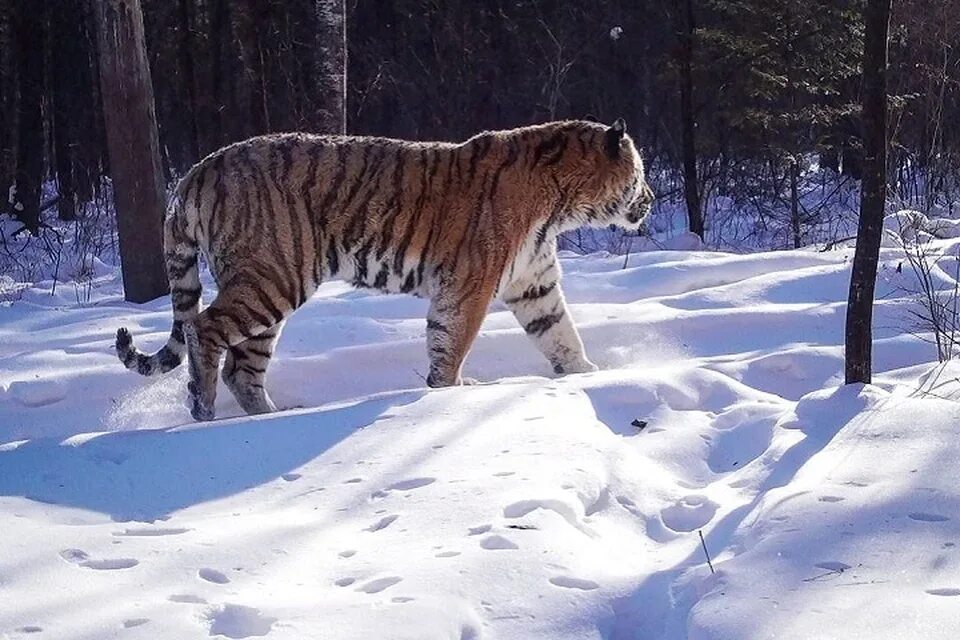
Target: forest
point(741, 99)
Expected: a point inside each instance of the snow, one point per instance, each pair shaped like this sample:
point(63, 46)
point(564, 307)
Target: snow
point(528, 506)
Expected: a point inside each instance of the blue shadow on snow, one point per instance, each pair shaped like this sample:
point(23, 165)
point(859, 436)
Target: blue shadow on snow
point(147, 475)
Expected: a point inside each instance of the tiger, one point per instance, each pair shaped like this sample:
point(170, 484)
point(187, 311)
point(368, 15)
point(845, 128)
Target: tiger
point(460, 224)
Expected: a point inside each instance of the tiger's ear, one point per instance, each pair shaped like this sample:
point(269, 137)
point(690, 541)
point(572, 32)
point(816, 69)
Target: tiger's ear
point(614, 136)
point(590, 118)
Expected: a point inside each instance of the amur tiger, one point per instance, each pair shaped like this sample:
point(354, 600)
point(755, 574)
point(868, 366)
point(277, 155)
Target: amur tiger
point(459, 224)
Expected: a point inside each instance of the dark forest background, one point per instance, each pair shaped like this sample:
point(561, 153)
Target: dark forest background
point(731, 97)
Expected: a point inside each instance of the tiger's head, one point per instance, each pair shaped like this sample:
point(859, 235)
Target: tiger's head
point(604, 177)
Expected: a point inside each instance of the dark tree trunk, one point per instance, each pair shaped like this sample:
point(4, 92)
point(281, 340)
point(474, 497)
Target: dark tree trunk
point(688, 123)
point(9, 98)
point(795, 203)
point(72, 106)
point(332, 66)
point(248, 18)
point(30, 148)
point(188, 76)
point(134, 152)
point(863, 278)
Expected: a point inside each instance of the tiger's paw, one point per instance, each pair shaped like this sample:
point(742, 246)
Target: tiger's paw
point(579, 366)
point(200, 411)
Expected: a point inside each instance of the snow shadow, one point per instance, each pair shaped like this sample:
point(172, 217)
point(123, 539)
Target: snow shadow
point(146, 475)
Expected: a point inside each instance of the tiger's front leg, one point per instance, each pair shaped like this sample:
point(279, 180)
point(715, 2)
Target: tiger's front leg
point(541, 310)
point(452, 326)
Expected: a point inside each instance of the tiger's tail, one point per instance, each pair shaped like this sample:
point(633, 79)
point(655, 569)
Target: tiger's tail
point(180, 254)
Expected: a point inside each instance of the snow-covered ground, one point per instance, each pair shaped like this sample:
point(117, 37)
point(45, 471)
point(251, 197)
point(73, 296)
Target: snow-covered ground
point(526, 507)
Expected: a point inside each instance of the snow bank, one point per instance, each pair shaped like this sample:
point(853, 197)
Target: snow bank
point(525, 507)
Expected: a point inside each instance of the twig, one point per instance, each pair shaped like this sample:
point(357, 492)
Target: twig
point(703, 543)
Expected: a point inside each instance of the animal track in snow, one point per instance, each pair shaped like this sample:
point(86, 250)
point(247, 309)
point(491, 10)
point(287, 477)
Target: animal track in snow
point(110, 564)
point(734, 448)
point(569, 582)
point(379, 584)
point(353, 481)
point(504, 474)
point(838, 567)
point(404, 485)
point(560, 507)
point(945, 591)
point(412, 483)
point(37, 393)
point(382, 523)
point(290, 477)
point(497, 543)
point(186, 598)
point(830, 499)
point(150, 532)
point(81, 559)
point(129, 623)
point(212, 575)
point(928, 517)
point(447, 554)
point(347, 553)
point(30, 628)
point(402, 599)
point(344, 582)
point(480, 530)
point(689, 513)
point(238, 621)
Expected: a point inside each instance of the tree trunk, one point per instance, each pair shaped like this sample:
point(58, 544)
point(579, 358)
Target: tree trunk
point(133, 148)
point(9, 98)
point(71, 101)
point(795, 203)
point(332, 66)
point(247, 18)
point(688, 124)
point(872, 194)
point(30, 149)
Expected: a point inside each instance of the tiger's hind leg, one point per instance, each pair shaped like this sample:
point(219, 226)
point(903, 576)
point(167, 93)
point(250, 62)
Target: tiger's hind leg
point(541, 310)
point(245, 370)
point(235, 316)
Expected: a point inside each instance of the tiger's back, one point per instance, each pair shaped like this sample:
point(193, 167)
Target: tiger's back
point(457, 223)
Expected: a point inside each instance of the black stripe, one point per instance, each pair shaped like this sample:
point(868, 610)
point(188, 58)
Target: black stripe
point(480, 147)
point(254, 371)
point(333, 187)
point(394, 206)
point(333, 259)
point(409, 283)
point(178, 266)
point(176, 331)
point(299, 257)
point(533, 293)
point(381, 280)
point(360, 258)
point(436, 326)
point(539, 326)
point(554, 145)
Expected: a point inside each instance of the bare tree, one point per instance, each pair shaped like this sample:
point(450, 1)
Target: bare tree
point(859, 334)
point(688, 120)
point(133, 148)
point(30, 38)
point(332, 65)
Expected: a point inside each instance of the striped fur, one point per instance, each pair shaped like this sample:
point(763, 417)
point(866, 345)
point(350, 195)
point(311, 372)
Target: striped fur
point(459, 224)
